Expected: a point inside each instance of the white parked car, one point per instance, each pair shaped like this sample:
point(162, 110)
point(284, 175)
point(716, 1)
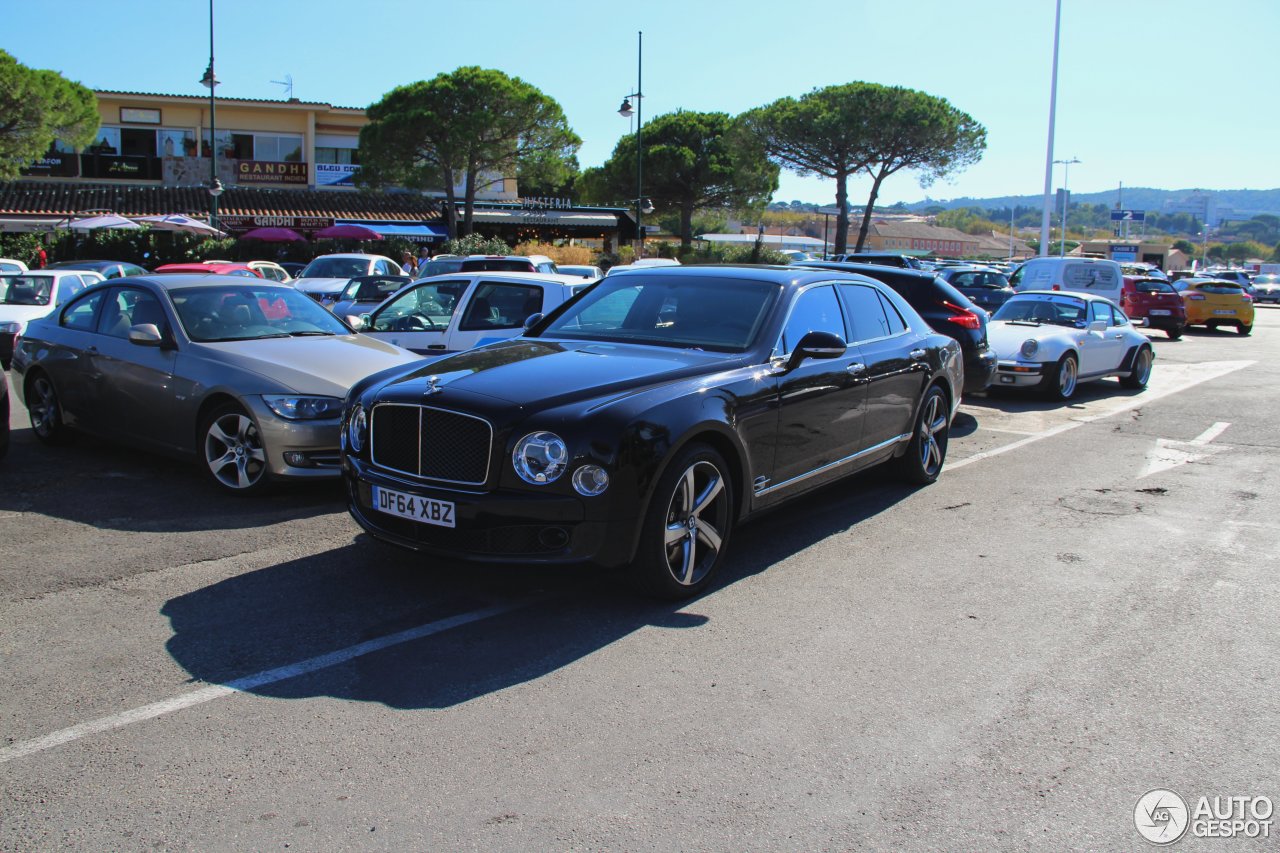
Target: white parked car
point(451, 313)
point(28, 296)
point(1053, 340)
point(585, 271)
point(8, 265)
point(643, 263)
point(324, 278)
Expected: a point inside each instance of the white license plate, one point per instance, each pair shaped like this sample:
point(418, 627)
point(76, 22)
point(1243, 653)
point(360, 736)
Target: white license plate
point(413, 507)
point(1224, 310)
point(1159, 312)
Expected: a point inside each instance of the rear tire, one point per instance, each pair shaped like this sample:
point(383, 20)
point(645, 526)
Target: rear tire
point(1175, 333)
point(1245, 330)
point(1141, 373)
point(922, 463)
point(1060, 382)
point(45, 411)
point(685, 533)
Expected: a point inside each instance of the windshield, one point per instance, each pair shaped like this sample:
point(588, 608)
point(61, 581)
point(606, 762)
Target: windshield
point(720, 314)
point(336, 268)
point(1267, 279)
point(6, 266)
point(244, 312)
point(25, 289)
point(1219, 287)
point(496, 265)
point(441, 267)
point(1054, 310)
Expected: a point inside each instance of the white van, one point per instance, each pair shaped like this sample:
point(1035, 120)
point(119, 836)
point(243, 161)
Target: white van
point(1084, 275)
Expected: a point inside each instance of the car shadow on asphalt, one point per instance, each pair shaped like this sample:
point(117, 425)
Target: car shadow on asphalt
point(104, 485)
point(301, 609)
point(1009, 400)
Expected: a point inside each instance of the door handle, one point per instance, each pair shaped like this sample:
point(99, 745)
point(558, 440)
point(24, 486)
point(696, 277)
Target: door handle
point(91, 350)
point(1119, 336)
point(435, 346)
point(856, 369)
point(917, 354)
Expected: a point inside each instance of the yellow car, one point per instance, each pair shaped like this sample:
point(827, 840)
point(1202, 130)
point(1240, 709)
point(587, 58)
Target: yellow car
point(1213, 302)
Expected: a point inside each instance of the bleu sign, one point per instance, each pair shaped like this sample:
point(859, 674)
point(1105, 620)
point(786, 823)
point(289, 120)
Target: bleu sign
point(1128, 216)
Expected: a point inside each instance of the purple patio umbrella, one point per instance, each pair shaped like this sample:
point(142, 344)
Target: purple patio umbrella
point(349, 232)
point(274, 235)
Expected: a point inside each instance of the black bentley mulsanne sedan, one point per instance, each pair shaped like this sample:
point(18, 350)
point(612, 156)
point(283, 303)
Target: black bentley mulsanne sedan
point(638, 423)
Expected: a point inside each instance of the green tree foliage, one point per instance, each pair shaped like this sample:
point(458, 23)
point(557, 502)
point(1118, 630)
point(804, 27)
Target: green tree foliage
point(970, 220)
point(458, 128)
point(918, 132)
point(692, 161)
point(1185, 246)
point(37, 107)
point(475, 244)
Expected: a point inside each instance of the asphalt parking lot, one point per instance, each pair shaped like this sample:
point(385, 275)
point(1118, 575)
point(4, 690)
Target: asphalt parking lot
point(1082, 609)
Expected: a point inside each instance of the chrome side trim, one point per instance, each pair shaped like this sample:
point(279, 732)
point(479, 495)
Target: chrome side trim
point(861, 453)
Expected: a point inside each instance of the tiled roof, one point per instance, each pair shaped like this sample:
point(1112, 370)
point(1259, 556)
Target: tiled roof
point(222, 98)
point(921, 231)
point(35, 198)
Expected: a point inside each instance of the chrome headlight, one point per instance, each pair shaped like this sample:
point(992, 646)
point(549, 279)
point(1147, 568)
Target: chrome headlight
point(293, 408)
point(357, 429)
point(540, 457)
point(1029, 348)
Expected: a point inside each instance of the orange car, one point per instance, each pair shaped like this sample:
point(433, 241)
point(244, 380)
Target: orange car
point(1213, 302)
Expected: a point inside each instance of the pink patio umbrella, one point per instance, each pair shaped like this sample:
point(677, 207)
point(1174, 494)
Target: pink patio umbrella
point(348, 232)
point(274, 235)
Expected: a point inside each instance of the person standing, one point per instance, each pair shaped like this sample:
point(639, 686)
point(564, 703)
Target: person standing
point(407, 264)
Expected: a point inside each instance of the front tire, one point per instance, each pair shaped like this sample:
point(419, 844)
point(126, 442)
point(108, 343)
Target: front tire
point(1141, 372)
point(1060, 383)
point(45, 411)
point(686, 530)
point(922, 463)
point(231, 450)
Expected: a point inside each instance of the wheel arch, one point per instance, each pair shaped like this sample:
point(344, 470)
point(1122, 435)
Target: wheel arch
point(207, 405)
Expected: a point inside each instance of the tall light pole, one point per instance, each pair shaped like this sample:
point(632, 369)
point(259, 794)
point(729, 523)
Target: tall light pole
point(626, 112)
point(215, 185)
point(1066, 198)
point(1048, 159)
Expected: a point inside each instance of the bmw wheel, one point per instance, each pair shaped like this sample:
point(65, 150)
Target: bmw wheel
point(1141, 372)
point(232, 450)
point(686, 530)
point(1060, 382)
point(45, 411)
point(922, 463)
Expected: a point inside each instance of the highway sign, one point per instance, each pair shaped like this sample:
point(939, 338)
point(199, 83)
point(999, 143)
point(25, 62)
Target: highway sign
point(1128, 216)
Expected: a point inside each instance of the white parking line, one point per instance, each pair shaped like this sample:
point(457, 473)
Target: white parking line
point(250, 682)
point(1181, 378)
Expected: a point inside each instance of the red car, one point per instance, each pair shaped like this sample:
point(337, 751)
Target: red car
point(1156, 301)
point(228, 268)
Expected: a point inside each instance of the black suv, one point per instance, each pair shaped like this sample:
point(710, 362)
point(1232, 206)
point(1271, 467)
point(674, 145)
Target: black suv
point(945, 309)
point(884, 259)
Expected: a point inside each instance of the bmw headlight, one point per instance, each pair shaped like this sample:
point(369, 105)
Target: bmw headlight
point(540, 457)
point(1029, 348)
point(357, 429)
point(303, 408)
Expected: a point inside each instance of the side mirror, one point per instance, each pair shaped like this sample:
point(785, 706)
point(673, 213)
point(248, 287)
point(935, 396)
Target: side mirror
point(817, 345)
point(533, 320)
point(357, 322)
point(145, 335)
point(1098, 325)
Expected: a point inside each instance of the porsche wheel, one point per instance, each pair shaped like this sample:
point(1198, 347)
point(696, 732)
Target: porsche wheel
point(1060, 382)
point(1141, 372)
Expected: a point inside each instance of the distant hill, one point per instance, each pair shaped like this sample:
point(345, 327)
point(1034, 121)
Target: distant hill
point(1246, 202)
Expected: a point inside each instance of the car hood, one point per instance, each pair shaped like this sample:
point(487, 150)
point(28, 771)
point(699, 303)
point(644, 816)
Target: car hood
point(545, 374)
point(1006, 338)
point(320, 285)
point(328, 366)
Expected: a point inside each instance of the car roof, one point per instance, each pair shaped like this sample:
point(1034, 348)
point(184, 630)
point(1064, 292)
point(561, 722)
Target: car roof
point(176, 281)
point(512, 275)
point(872, 270)
point(358, 255)
point(46, 271)
point(787, 276)
point(1074, 294)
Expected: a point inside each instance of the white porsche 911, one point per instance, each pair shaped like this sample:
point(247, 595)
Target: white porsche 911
point(1053, 340)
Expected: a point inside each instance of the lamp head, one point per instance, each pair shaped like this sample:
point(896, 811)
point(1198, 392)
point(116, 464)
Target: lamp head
point(208, 80)
point(625, 110)
point(646, 206)
point(215, 188)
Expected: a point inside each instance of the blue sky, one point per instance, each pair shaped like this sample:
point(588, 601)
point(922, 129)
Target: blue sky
point(1159, 93)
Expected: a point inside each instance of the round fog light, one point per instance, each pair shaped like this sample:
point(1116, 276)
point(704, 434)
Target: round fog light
point(590, 480)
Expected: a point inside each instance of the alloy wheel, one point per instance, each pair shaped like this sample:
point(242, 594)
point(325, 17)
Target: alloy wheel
point(233, 451)
point(933, 435)
point(696, 516)
point(43, 408)
point(1067, 378)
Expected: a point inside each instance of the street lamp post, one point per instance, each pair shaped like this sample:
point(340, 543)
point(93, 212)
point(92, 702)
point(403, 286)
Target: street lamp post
point(1066, 197)
point(626, 112)
point(1048, 160)
point(215, 185)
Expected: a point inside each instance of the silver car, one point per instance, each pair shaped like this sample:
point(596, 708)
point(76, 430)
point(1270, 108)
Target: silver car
point(246, 375)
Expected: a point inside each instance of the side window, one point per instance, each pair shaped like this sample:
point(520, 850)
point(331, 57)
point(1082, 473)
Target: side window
point(896, 324)
point(501, 306)
point(80, 314)
point(127, 307)
point(429, 307)
point(817, 310)
point(965, 279)
point(866, 316)
point(1100, 311)
point(1117, 317)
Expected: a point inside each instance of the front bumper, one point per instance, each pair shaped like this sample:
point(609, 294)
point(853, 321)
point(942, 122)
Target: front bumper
point(297, 450)
point(1019, 374)
point(495, 527)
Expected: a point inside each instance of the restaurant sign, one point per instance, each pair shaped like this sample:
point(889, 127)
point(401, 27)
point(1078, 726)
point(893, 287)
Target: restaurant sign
point(266, 172)
point(305, 223)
